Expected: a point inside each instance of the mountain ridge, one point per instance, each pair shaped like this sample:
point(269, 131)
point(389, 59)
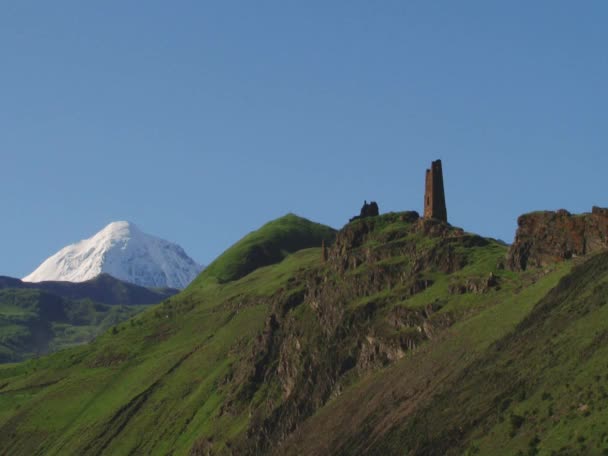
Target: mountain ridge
point(103, 288)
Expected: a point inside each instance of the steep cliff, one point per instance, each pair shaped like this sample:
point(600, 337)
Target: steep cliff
point(543, 238)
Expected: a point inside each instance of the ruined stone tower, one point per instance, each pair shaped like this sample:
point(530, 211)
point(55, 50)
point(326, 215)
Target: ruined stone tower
point(434, 196)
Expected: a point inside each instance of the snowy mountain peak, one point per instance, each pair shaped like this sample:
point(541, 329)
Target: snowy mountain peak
point(122, 250)
point(120, 227)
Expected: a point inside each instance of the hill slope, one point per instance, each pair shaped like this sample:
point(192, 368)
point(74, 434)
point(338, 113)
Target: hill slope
point(410, 337)
point(488, 386)
point(268, 245)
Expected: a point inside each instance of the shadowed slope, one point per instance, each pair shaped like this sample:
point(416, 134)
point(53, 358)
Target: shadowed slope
point(38, 318)
point(103, 289)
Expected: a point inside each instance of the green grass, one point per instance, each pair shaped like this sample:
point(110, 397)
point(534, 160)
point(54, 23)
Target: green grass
point(268, 245)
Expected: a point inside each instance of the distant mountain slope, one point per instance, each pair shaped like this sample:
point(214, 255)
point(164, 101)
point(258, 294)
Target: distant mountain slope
point(34, 322)
point(37, 318)
point(103, 289)
point(267, 245)
point(125, 252)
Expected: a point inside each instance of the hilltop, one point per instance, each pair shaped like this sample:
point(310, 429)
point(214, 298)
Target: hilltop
point(268, 245)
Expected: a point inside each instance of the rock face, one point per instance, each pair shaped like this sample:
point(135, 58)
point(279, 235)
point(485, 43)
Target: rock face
point(368, 210)
point(434, 195)
point(475, 285)
point(543, 238)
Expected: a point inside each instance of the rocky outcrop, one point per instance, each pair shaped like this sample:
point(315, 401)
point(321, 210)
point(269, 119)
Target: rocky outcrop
point(547, 237)
point(475, 285)
point(413, 327)
point(349, 250)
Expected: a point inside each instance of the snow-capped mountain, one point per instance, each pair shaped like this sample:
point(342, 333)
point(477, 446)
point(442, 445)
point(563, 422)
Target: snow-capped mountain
point(125, 252)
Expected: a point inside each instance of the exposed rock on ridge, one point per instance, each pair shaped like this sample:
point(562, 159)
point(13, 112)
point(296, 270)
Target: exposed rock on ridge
point(546, 237)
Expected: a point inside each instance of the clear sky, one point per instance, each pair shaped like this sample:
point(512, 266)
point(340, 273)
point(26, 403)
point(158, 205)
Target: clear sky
point(202, 120)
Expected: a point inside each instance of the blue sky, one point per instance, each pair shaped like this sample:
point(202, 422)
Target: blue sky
point(200, 121)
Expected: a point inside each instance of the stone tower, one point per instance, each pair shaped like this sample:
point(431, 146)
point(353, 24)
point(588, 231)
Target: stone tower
point(434, 196)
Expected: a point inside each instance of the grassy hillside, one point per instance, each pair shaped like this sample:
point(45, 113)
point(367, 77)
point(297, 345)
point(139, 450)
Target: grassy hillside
point(516, 379)
point(268, 245)
point(411, 338)
point(38, 318)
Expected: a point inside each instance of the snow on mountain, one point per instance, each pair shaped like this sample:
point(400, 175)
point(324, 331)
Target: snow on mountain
point(125, 252)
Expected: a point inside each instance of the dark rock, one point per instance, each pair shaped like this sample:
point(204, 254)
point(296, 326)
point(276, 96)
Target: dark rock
point(601, 211)
point(546, 237)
